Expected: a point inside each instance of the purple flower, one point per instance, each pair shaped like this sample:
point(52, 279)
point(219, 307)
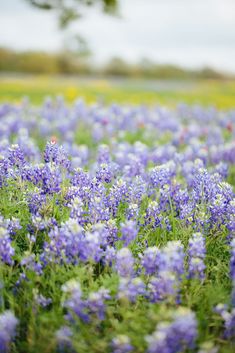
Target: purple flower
point(8, 323)
point(41, 300)
point(16, 156)
point(173, 257)
point(162, 175)
point(75, 304)
point(229, 321)
point(232, 260)
point(129, 232)
point(131, 288)
point(63, 338)
point(57, 155)
point(176, 336)
point(95, 303)
point(6, 249)
point(152, 260)
point(164, 287)
point(124, 263)
point(197, 252)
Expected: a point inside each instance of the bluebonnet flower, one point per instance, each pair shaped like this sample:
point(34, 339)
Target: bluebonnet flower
point(169, 265)
point(6, 249)
point(175, 336)
point(92, 247)
point(119, 192)
point(85, 309)
point(173, 257)
point(197, 252)
point(77, 211)
point(129, 232)
point(55, 154)
point(229, 321)
point(13, 225)
point(40, 299)
point(112, 231)
point(133, 167)
point(109, 256)
point(16, 157)
point(132, 211)
point(51, 179)
point(152, 260)
point(75, 304)
point(162, 175)
point(8, 323)
point(104, 173)
point(163, 287)
point(153, 215)
point(124, 263)
point(103, 154)
point(35, 200)
point(232, 260)
point(63, 338)
point(3, 170)
point(131, 288)
point(31, 263)
point(232, 270)
point(95, 303)
point(66, 243)
point(137, 189)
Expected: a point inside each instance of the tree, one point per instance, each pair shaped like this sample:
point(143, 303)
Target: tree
point(70, 10)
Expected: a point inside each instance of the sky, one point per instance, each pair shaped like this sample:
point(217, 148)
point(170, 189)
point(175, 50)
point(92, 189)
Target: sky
point(190, 33)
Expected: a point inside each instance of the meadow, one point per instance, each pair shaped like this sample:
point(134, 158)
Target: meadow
point(219, 94)
point(117, 220)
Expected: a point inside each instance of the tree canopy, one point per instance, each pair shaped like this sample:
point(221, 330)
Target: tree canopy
point(70, 10)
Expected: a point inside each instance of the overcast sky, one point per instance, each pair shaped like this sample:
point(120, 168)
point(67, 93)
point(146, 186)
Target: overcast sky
point(191, 33)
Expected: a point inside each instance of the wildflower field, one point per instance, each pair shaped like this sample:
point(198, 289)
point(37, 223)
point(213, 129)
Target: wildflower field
point(117, 228)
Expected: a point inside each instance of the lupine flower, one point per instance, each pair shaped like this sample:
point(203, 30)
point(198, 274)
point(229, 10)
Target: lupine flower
point(232, 260)
point(129, 232)
point(131, 288)
point(6, 249)
point(174, 337)
point(197, 253)
point(162, 174)
point(229, 321)
point(63, 338)
point(75, 304)
point(16, 156)
point(8, 323)
point(152, 260)
point(163, 287)
point(173, 256)
point(124, 263)
point(95, 303)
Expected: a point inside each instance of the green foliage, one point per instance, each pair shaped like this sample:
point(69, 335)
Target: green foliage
point(73, 59)
point(70, 11)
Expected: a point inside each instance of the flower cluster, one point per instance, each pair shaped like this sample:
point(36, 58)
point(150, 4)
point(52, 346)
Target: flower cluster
point(111, 219)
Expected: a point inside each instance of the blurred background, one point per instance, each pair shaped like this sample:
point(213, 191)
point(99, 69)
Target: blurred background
point(133, 51)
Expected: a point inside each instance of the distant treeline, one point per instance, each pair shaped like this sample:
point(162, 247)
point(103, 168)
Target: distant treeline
point(66, 62)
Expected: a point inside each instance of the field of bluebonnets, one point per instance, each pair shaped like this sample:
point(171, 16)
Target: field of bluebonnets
point(117, 228)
